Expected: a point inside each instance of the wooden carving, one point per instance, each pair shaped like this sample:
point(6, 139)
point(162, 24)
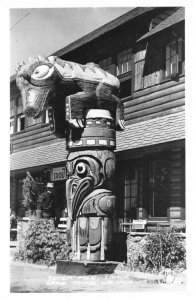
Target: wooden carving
point(84, 108)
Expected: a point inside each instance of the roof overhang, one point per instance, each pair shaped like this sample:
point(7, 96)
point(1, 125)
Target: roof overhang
point(175, 18)
point(129, 16)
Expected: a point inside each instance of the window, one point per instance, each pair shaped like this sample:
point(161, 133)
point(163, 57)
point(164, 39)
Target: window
point(31, 121)
point(46, 117)
point(125, 88)
point(20, 199)
point(19, 105)
point(12, 107)
point(107, 65)
point(11, 125)
point(159, 189)
point(124, 62)
point(175, 57)
point(20, 123)
point(130, 202)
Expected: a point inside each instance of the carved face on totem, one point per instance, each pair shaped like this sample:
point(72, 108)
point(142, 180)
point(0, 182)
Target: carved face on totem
point(87, 171)
point(36, 79)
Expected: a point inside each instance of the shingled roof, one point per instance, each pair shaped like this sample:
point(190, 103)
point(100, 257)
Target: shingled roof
point(175, 18)
point(151, 132)
point(43, 155)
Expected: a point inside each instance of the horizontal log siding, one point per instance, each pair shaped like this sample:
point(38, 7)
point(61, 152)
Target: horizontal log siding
point(32, 138)
point(37, 142)
point(156, 101)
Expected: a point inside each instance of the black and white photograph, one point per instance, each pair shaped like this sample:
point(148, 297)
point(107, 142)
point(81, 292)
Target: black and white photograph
point(97, 148)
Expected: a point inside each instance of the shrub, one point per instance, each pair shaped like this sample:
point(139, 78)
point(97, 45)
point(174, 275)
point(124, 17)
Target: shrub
point(30, 192)
point(46, 200)
point(157, 251)
point(135, 253)
point(42, 244)
point(164, 249)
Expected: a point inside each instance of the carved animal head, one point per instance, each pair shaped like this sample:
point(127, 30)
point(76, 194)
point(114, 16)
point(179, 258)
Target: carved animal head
point(35, 79)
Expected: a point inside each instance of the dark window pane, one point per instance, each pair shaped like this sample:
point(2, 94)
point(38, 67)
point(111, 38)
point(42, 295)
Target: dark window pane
point(125, 88)
point(22, 123)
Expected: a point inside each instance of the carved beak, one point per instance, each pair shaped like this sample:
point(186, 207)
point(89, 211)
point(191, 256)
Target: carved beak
point(76, 190)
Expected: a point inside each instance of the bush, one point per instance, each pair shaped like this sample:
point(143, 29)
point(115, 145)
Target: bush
point(165, 249)
point(135, 253)
point(42, 244)
point(155, 252)
point(30, 192)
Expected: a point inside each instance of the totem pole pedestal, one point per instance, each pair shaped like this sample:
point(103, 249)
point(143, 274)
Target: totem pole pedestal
point(80, 268)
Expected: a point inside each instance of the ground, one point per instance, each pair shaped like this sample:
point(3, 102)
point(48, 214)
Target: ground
point(30, 278)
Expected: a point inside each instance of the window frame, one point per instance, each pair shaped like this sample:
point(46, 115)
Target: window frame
point(34, 121)
point(113, 60)
point(130, 198)
point(168, 57)
point(121, 59)
point(12, 122)
point(19, 117)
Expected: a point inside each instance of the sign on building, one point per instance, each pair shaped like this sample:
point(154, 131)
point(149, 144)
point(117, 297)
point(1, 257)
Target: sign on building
point(58, 174)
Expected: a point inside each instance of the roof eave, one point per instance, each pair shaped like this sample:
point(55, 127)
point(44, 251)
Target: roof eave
point(104, 29)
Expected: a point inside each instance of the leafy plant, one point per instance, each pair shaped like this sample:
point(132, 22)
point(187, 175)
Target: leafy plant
point(30, 192)
point(157, 251)
point(42, 244)
point(164, 249)
point(135, 253)
point(46, 200)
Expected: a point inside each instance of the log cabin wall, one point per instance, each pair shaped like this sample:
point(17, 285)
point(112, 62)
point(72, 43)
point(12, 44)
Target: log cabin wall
point(38, 135)
point(156, 101)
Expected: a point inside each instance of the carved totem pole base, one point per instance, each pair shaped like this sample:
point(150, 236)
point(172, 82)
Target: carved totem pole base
point(80, 268)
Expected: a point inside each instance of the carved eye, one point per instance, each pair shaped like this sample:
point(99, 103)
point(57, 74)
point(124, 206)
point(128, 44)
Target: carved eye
point(40, 72)
point(81, 169)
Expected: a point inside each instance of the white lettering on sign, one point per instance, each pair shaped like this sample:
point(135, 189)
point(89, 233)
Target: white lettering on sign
point(59, 174)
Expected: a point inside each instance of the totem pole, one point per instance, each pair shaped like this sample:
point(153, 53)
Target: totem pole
point(84, 108)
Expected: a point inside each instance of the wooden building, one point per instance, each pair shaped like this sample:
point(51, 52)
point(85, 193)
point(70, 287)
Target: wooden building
point(145, 49)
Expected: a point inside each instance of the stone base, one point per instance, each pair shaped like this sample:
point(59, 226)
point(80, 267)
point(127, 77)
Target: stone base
point(84, 268)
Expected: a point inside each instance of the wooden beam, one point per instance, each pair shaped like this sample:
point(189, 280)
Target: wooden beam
point(152, 110)
point(156, 102)
point(155, 95)
point(154, 115)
